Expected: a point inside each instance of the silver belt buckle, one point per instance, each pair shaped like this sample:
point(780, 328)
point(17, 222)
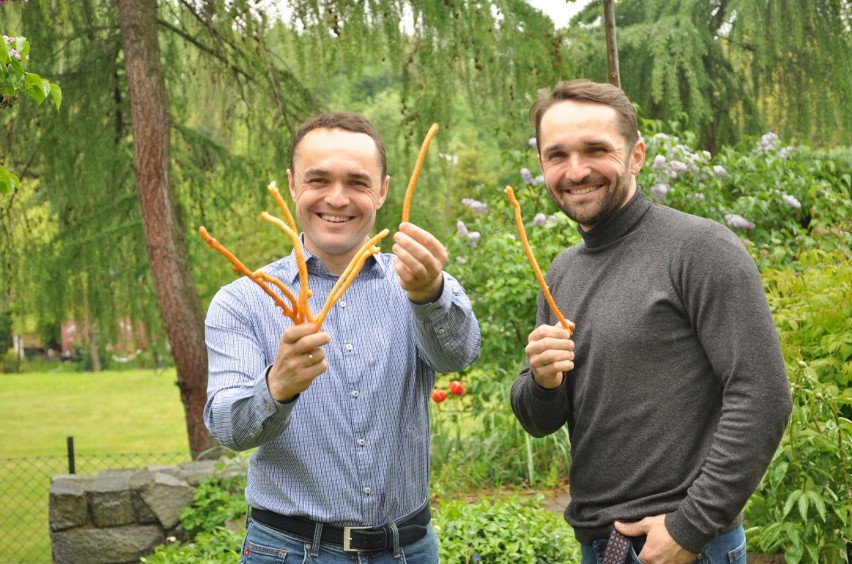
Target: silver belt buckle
point(347, 539)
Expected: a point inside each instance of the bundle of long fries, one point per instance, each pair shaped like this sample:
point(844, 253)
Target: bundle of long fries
point(296, 307)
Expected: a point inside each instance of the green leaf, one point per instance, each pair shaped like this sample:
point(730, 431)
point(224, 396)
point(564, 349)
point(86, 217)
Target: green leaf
point(8, 181)
point(803, 507)
point(791, 499)
point(56, 94)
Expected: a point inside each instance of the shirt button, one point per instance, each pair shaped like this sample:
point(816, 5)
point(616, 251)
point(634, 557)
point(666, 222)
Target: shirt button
point(362, 442)
point(441, 331)
point(354, 393)
point(349, 347)
point(368, 490)
point(342, 303)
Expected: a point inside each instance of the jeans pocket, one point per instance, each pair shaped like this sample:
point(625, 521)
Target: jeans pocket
point(738, 555)
point(254, 553)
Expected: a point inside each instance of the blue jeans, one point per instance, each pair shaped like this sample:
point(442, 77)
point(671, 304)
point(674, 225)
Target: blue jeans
point(265, 545)
point(727, 548)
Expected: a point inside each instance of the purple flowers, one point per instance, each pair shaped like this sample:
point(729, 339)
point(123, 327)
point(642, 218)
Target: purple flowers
point(659, 191)
point(791, 201)
point(461, 229)
point(533, 143)
point(14, 53)
point(475, 205)
point(738, 222)
point(526, 176)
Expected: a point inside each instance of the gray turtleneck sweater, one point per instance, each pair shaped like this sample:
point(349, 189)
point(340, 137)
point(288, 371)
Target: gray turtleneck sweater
point(679, 395)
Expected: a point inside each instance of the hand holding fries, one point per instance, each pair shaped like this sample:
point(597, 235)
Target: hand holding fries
point(299, 361)
point(419, 262)
point(551, 353)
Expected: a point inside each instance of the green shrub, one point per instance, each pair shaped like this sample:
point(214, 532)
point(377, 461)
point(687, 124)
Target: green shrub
point(803, 506)
point(507, 530)
point(217, 501)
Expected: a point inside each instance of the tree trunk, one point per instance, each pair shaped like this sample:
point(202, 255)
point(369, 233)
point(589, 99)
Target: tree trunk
point(177, 297)
point(611, 46)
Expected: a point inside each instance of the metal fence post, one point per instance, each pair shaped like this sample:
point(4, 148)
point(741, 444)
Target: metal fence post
point(70, 442)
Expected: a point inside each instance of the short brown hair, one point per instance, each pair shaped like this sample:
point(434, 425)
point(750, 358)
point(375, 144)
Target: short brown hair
point(587, 91)
point(348, 121)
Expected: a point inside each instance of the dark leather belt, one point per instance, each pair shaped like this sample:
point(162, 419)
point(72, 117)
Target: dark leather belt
point(351, 539)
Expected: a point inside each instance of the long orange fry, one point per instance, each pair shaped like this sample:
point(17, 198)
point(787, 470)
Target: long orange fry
point(276, 194)
point(567, 325)
point(412, 182)
point(240, 267)
point(349, 274)
point(300, 261)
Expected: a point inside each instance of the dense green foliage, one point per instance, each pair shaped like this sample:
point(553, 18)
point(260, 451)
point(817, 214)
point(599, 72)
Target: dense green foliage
point(504, 529)
point(803, 506)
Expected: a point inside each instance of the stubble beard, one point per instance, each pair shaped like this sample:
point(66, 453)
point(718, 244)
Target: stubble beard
point(608, 204)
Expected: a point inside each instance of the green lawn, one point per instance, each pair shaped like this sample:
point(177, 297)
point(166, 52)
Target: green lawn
point(118, 420)
point(106, 413)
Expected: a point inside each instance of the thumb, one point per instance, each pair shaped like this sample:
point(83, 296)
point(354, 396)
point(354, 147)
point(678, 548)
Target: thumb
point(636, 529)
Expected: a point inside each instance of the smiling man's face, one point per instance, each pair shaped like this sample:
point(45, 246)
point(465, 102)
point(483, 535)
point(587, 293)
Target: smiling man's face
point(589, 168)
point(337, 186)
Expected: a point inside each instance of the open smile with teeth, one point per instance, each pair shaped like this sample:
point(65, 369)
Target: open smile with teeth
point(334, 218)
point(581, 191)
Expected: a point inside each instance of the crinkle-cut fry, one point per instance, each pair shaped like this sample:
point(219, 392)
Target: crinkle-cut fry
point(276, 195)
point(412, 182)
point(567, 325)
point(300, 261)
point(240, 267)
point(350, 274)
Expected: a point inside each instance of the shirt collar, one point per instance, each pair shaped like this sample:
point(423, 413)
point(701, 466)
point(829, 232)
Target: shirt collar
point(317, 268)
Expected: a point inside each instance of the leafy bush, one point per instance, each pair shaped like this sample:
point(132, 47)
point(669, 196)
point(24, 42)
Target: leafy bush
point(217, 501)
point(506, 530)
point(803, 505)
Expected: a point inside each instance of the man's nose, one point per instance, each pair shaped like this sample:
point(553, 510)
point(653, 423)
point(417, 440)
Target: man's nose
point(576, 169)
point(336, 195)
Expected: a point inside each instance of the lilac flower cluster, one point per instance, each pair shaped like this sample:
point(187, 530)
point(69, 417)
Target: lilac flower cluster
point(471, 236)
point(769, 143)
point(475, 205)
point(674, 159)
point(738, 222)
point(541, 220)
point(11, 40)
point(790, 200)
point(528, 178)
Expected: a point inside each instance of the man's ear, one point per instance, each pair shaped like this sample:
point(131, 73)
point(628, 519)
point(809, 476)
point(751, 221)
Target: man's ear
point(290, 185)
point(383, 193)
point(637, 157)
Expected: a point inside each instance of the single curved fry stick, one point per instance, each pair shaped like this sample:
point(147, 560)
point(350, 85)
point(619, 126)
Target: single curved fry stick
point(406, 203)
point(567, 325)
point(349, 275)
point(304, 293)
point(240, 267)
point(284, 290)
point(276, 194)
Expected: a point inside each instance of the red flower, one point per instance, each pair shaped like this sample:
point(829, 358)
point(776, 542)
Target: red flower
point(456, 388)
point(438, 396)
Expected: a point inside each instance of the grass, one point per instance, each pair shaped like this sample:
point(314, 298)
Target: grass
point(106, 413)
point(111, 416)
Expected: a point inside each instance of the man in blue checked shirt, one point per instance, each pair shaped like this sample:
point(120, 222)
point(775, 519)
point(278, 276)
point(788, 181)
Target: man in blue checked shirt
point(340, 417)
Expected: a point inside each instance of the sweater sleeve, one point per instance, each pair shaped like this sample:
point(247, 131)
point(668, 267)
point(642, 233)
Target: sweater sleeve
point(540, 411)
point(724, 297)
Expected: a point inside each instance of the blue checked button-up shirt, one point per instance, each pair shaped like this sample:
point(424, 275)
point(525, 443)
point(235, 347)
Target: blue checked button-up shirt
point(352, 449)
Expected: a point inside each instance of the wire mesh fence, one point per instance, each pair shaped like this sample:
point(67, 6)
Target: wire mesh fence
point(24, 489)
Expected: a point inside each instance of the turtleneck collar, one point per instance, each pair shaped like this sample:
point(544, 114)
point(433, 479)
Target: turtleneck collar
point(618, 224)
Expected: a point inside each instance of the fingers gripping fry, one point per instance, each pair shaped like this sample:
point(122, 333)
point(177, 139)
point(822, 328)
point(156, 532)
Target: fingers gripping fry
point(412, 182)
point(568, 325)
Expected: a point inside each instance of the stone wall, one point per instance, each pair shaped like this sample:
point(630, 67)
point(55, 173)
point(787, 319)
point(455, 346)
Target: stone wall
point(119, 516)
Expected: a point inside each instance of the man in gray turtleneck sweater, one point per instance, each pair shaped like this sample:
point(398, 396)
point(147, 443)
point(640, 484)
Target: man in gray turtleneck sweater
point(673, 386)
